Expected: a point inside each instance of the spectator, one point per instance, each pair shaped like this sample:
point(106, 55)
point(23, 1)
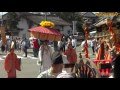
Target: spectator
point(93, 45)
point(25, 46)
point(35, 47)
point(64, 43)
point(74, 42)
point(60, 44)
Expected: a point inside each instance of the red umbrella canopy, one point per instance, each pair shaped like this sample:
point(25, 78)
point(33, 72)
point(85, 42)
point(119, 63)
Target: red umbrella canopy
point(45, 33)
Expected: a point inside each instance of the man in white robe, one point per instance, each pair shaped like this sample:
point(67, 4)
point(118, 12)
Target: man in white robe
point(45, 53)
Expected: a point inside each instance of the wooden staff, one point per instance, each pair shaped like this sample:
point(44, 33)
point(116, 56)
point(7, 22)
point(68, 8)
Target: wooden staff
point(86, 37)
point(3, 36)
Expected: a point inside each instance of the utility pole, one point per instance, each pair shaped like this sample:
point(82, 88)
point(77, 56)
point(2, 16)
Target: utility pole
point(45, 16)
point(74, 27)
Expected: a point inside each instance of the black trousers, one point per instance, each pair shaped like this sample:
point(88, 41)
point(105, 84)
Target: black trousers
point(35, 52)
point(25, 51)
point(64, 48)
point(2, 48)
point(93, 49)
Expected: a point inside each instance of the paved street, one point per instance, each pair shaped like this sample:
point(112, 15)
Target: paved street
point(29, 66)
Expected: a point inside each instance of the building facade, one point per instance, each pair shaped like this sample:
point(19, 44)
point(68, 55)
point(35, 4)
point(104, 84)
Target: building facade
point(29, 20)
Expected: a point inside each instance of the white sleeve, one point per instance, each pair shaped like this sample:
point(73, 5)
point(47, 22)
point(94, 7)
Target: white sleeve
point(40, 53)
point(51, 51)
point(75, 43)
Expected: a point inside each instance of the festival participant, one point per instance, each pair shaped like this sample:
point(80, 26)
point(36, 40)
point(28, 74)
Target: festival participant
point(45, 54)
point(101, 52)
point(71, 55)
point(108, 50)
point(12, 63)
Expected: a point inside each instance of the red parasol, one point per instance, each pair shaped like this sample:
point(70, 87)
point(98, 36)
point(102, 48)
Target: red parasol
point(45, 33)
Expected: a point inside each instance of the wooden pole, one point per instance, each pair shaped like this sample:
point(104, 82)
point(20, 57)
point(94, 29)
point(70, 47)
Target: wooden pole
point(86, 38)
point(3, 35)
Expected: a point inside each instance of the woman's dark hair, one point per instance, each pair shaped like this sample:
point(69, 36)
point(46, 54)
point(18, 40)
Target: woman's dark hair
point(116, 71)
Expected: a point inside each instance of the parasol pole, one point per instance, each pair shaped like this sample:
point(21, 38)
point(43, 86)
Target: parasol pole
point(86, 38)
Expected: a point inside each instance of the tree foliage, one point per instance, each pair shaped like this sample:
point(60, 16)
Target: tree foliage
point(70, 17)
point(12, 20)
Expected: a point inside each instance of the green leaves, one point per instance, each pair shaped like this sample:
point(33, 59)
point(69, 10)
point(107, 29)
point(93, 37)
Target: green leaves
point(69, 17)
point(12, 20)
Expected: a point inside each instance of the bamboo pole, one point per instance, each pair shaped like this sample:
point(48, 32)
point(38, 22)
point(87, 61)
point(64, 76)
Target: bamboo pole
point(3, 35)
point(86, 38)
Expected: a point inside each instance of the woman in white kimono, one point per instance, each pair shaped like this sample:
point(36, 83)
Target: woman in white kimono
point(45, 53)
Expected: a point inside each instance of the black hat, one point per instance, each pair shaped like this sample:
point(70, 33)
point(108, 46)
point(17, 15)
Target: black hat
point(57, 58)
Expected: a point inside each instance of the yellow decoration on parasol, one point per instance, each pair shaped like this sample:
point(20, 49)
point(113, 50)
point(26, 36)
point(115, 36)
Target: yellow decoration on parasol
point(47, 24)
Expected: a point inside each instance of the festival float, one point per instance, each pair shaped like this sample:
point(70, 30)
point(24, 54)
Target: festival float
point(86, 68)
point(46, 31)
point(106, 36)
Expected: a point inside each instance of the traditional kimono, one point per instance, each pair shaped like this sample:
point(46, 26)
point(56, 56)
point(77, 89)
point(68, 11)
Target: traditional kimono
point(45, 53)
point(71, 57)
point(11, 65)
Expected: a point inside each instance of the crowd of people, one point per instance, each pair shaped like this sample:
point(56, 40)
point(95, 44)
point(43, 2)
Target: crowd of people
point(56, 64)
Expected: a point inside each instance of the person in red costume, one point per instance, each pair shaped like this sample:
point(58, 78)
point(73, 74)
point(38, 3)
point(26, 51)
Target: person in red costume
point(71, 55)
point(86, 38)
point(12, 63)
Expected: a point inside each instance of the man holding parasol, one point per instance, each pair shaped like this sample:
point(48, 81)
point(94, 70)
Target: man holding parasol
point(45, 32)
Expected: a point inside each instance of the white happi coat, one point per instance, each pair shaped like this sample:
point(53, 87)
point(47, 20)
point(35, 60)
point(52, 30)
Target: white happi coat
point(45, 58)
